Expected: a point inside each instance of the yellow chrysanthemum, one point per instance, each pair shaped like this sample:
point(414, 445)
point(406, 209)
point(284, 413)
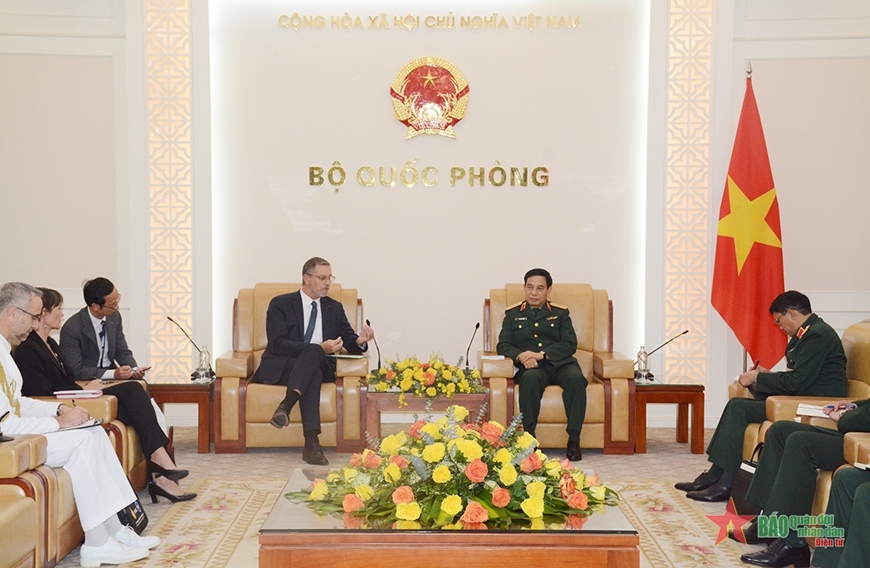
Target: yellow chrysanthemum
point(446, 375)
point(381, 387)
point(507, 474)
point(533, 507)
point(431, 391)
point(408, 511)
point(392, 473)
point(460, 413)
point(442, 474)
point(364, 492)
point(450, 388)
point(536, 489)
point(434, 452)
point(406, 384)
point(451, 504)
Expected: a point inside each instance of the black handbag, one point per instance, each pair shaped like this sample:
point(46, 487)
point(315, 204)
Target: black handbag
point(738, 504)
point(133, 515)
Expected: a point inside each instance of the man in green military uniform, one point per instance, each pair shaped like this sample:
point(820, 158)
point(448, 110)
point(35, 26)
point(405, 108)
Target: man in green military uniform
point(539, 338)
point(785, 480)
point(816, 367)
point(850, 506)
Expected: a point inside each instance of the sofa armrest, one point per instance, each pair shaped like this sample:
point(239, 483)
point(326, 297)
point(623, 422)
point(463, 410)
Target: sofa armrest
point(352, 367)
point(612, 365)
point(22, 453)
point(856, 447)
point(736, 390)
point(785, 408)
point(235, 364)
point(491, 366)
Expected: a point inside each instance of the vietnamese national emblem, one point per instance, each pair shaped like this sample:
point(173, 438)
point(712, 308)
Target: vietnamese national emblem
point(429, 97)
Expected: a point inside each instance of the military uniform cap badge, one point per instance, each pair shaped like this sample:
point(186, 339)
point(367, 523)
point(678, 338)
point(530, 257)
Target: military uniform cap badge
point(430, 96)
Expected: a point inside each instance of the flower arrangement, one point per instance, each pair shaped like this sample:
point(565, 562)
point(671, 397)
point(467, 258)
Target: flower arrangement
point(448, 474)
point(430, 379)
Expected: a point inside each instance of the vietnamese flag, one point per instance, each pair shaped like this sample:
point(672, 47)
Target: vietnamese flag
point(747, 274)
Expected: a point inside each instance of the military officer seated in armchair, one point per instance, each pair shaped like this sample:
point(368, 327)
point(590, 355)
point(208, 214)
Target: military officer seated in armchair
point(540, 339)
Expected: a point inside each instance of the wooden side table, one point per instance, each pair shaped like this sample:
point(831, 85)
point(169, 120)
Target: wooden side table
point(682, 396)
point(200, 394)
point(377, 402)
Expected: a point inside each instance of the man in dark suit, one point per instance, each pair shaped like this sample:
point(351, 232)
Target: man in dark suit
point(92, 340)
point(302, 329)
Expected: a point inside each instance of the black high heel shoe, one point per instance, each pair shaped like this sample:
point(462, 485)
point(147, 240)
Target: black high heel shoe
point(154, 490)
point(173, 474)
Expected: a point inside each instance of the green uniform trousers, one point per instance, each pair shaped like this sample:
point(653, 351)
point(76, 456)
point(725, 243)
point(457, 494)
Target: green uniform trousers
point(726, 445)
point(532, 383)
point(849, 503)
point(785, 480)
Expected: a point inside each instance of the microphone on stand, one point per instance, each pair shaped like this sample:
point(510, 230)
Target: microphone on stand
point(203, 371)
point(378, 368)
point(642, 372)
point(467, 351)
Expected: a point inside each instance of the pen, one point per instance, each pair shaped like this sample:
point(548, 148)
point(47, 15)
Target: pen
point(755, 366)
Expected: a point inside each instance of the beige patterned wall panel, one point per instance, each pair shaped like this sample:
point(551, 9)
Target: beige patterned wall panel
point(170, 187)
point(690, 60)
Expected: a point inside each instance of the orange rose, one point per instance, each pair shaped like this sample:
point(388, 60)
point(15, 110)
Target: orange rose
point(391, 374)
point(352, 521)
point(351, 503)
point(592, 480)
point(471, 427)
point(414, 430)
point(475, 526)
point(578, 500)
point(356, 460)
point(567, 486)
point(371, 460)
point(476, 471)
point(474, 513)
point(575, 522)
point(403, 494)
point(399, 461)
point(531, 463)
point(428, 378)
point(491, 433)
point(501, 497)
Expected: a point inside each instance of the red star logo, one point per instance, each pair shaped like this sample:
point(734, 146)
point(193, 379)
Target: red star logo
point(728, 522)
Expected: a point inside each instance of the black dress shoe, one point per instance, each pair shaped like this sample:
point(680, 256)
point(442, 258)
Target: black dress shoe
point(713, 494)
point(281, 418)
point(778, 554)
point(313, 454)
point(703, 481)
point(750, 534)
point(154, 490)
point(574, 454)
point(173, 474)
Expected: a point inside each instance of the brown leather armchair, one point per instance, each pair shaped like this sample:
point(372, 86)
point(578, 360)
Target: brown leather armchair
point(244, 409)
point(610, 407)
point(52, 517)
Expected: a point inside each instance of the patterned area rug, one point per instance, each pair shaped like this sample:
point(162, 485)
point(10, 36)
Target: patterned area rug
point(220, 528)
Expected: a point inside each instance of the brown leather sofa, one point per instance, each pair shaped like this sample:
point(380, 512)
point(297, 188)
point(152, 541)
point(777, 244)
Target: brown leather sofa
point(856, 344)
point(244, 409)
point(610, 408)
point(47, 528)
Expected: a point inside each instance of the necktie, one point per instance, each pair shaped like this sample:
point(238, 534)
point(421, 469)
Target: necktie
point(102, 342)
point(312, 321)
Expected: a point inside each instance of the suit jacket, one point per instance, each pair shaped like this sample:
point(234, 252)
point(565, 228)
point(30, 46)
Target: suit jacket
point(81, 348)
point(43, 373)
point(285, 330)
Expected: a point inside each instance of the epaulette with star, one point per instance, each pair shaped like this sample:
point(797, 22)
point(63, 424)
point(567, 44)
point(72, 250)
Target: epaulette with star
point(800, 332)
point(522, 304)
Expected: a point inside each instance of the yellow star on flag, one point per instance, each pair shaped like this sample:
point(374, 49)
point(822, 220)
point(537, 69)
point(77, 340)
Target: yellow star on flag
point(746, 224)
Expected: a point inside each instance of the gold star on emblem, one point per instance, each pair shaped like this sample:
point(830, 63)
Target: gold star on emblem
point(746, 224)
point(429, 78)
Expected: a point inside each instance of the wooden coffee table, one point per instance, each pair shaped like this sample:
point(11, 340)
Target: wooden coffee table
point(200, 394)
point(378, 402)
point(294, 536)
point(682, 396)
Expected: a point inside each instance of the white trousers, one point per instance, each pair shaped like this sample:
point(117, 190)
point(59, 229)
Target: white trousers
point(99, 485)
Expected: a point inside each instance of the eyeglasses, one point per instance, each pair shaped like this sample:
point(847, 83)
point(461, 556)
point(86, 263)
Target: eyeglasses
point(324, 279)
point(114, 305)
point(776, 320)
point(35, 318)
